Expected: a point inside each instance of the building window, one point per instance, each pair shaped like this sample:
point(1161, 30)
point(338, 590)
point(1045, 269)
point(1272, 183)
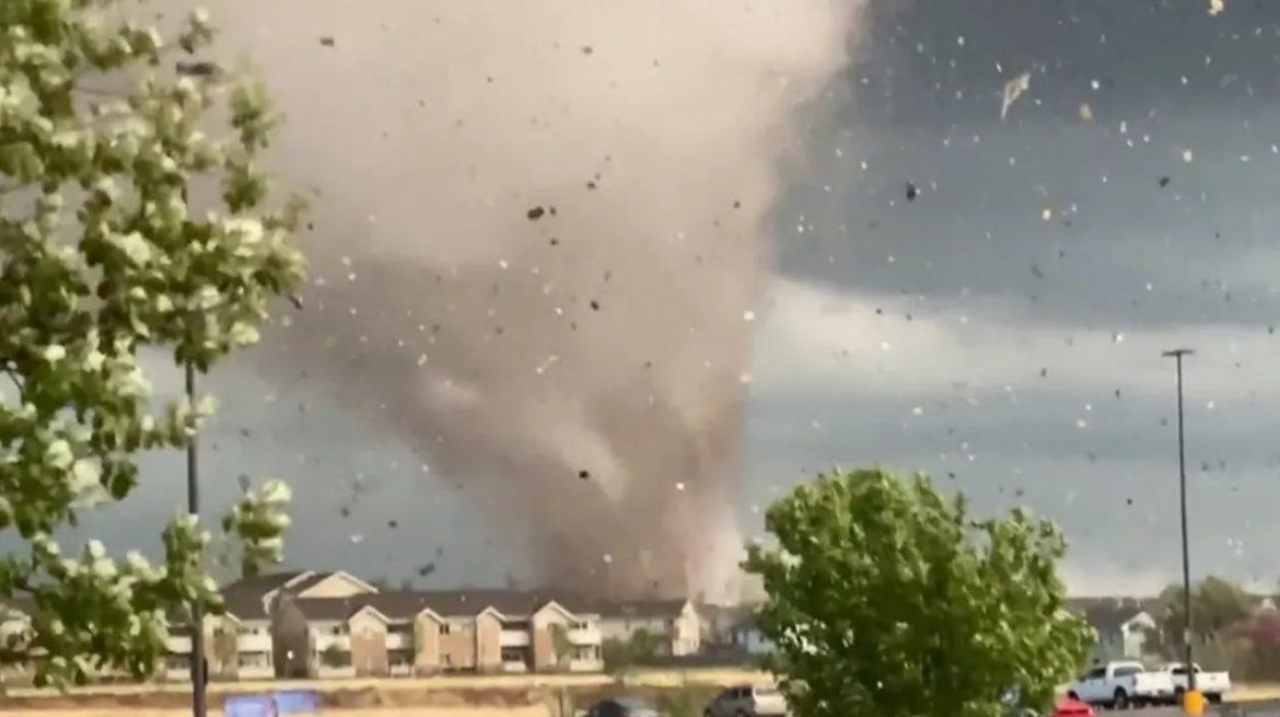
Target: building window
point(445, 629)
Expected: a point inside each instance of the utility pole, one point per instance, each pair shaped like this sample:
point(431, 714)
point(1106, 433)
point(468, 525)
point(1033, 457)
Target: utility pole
point(198, 676)
point(1176, 355)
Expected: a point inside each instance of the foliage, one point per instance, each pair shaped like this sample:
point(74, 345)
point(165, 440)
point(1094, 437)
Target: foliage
point(884, 598)
point(259, 520)
point(225, 648)
point(1216, 604)
point(1232, 632)
point(103, 254)
point(622, 655)
point(334, 656)
point(560, 644)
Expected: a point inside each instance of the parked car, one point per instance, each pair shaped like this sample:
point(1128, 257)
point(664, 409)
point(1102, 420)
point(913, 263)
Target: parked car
point(1213, 685)
point(747, 701)
point(623, 707)
point(1072, 708)
point(1121, 684)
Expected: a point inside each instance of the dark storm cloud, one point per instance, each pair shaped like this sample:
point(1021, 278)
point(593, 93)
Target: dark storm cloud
point(932, 318)
point(1004, 330)
point(928, 114)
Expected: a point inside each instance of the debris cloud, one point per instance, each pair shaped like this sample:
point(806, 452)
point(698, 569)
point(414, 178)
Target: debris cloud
point(538, 229)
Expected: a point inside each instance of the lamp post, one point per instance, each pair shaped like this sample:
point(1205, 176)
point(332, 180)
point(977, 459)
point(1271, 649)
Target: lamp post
point(1176, 355)
point(198, 676)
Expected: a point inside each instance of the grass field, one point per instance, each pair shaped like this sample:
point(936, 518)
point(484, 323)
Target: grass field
point(681, 692)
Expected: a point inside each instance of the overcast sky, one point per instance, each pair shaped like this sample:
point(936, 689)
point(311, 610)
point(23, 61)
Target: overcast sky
point(1001, 331)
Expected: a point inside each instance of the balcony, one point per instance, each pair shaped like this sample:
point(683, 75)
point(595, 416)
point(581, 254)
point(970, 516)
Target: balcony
point(180, 644)
point(323, 641)
point(514, 638)
point(254, 643)
point(399, 641)
point(585, 636)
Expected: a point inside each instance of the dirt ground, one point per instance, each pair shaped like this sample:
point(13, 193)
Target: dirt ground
point(454, 696)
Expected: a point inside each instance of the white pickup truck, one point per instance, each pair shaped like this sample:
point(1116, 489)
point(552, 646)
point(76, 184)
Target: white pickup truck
point(1213, 685)
point(1121, 684)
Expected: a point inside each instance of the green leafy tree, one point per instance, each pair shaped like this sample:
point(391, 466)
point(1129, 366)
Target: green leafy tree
point(885, 598)
point(127, 222)
point(622, 655)
point(561, 645)
point(334, 656)
point(1216, 605)
point(225, 648)
point(258, 521)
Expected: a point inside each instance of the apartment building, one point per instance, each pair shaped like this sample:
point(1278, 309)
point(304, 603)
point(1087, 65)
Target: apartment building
point(422, 633)
point(239, 644)
point(332, 624)
point(676, 622)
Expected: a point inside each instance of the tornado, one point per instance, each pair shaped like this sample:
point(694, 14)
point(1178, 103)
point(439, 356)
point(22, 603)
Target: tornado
point(538, 241)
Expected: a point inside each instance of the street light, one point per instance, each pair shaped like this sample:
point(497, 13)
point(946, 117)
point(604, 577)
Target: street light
point(199, 679)
point(1177, 355)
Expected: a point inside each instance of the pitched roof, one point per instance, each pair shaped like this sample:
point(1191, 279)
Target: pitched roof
point(1106, 615)
point(405, 604)
point(642, 608)
point(330, 608)
point(511, 603)
point(244, 596)
point(309, 582)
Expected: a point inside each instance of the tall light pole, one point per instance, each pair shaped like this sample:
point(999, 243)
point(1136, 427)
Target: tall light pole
point(1176, 355)
point(199, 707)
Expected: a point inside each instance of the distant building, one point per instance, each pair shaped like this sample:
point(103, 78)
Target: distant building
point(677, 622)
point(336, 625)
point(1122, 625)
point(748, 637)
point(333, 624)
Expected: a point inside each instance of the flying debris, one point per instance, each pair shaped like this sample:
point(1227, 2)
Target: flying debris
point(1216, 7)
point(197, 69)
point(1013, 89)
point(328, 41)
point(912, 192)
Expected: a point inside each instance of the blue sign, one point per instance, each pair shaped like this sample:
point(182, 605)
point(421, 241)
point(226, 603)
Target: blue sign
point(249, 706)
point(296, 702)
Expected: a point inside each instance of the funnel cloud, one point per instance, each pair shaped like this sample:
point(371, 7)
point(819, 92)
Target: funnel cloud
point(540, 238)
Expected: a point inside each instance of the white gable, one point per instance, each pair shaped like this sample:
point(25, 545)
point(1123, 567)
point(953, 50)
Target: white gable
point(1142, 620)
point(338, 584)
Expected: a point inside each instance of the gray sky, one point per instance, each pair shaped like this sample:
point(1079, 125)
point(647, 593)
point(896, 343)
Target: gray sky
point(961, 333)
